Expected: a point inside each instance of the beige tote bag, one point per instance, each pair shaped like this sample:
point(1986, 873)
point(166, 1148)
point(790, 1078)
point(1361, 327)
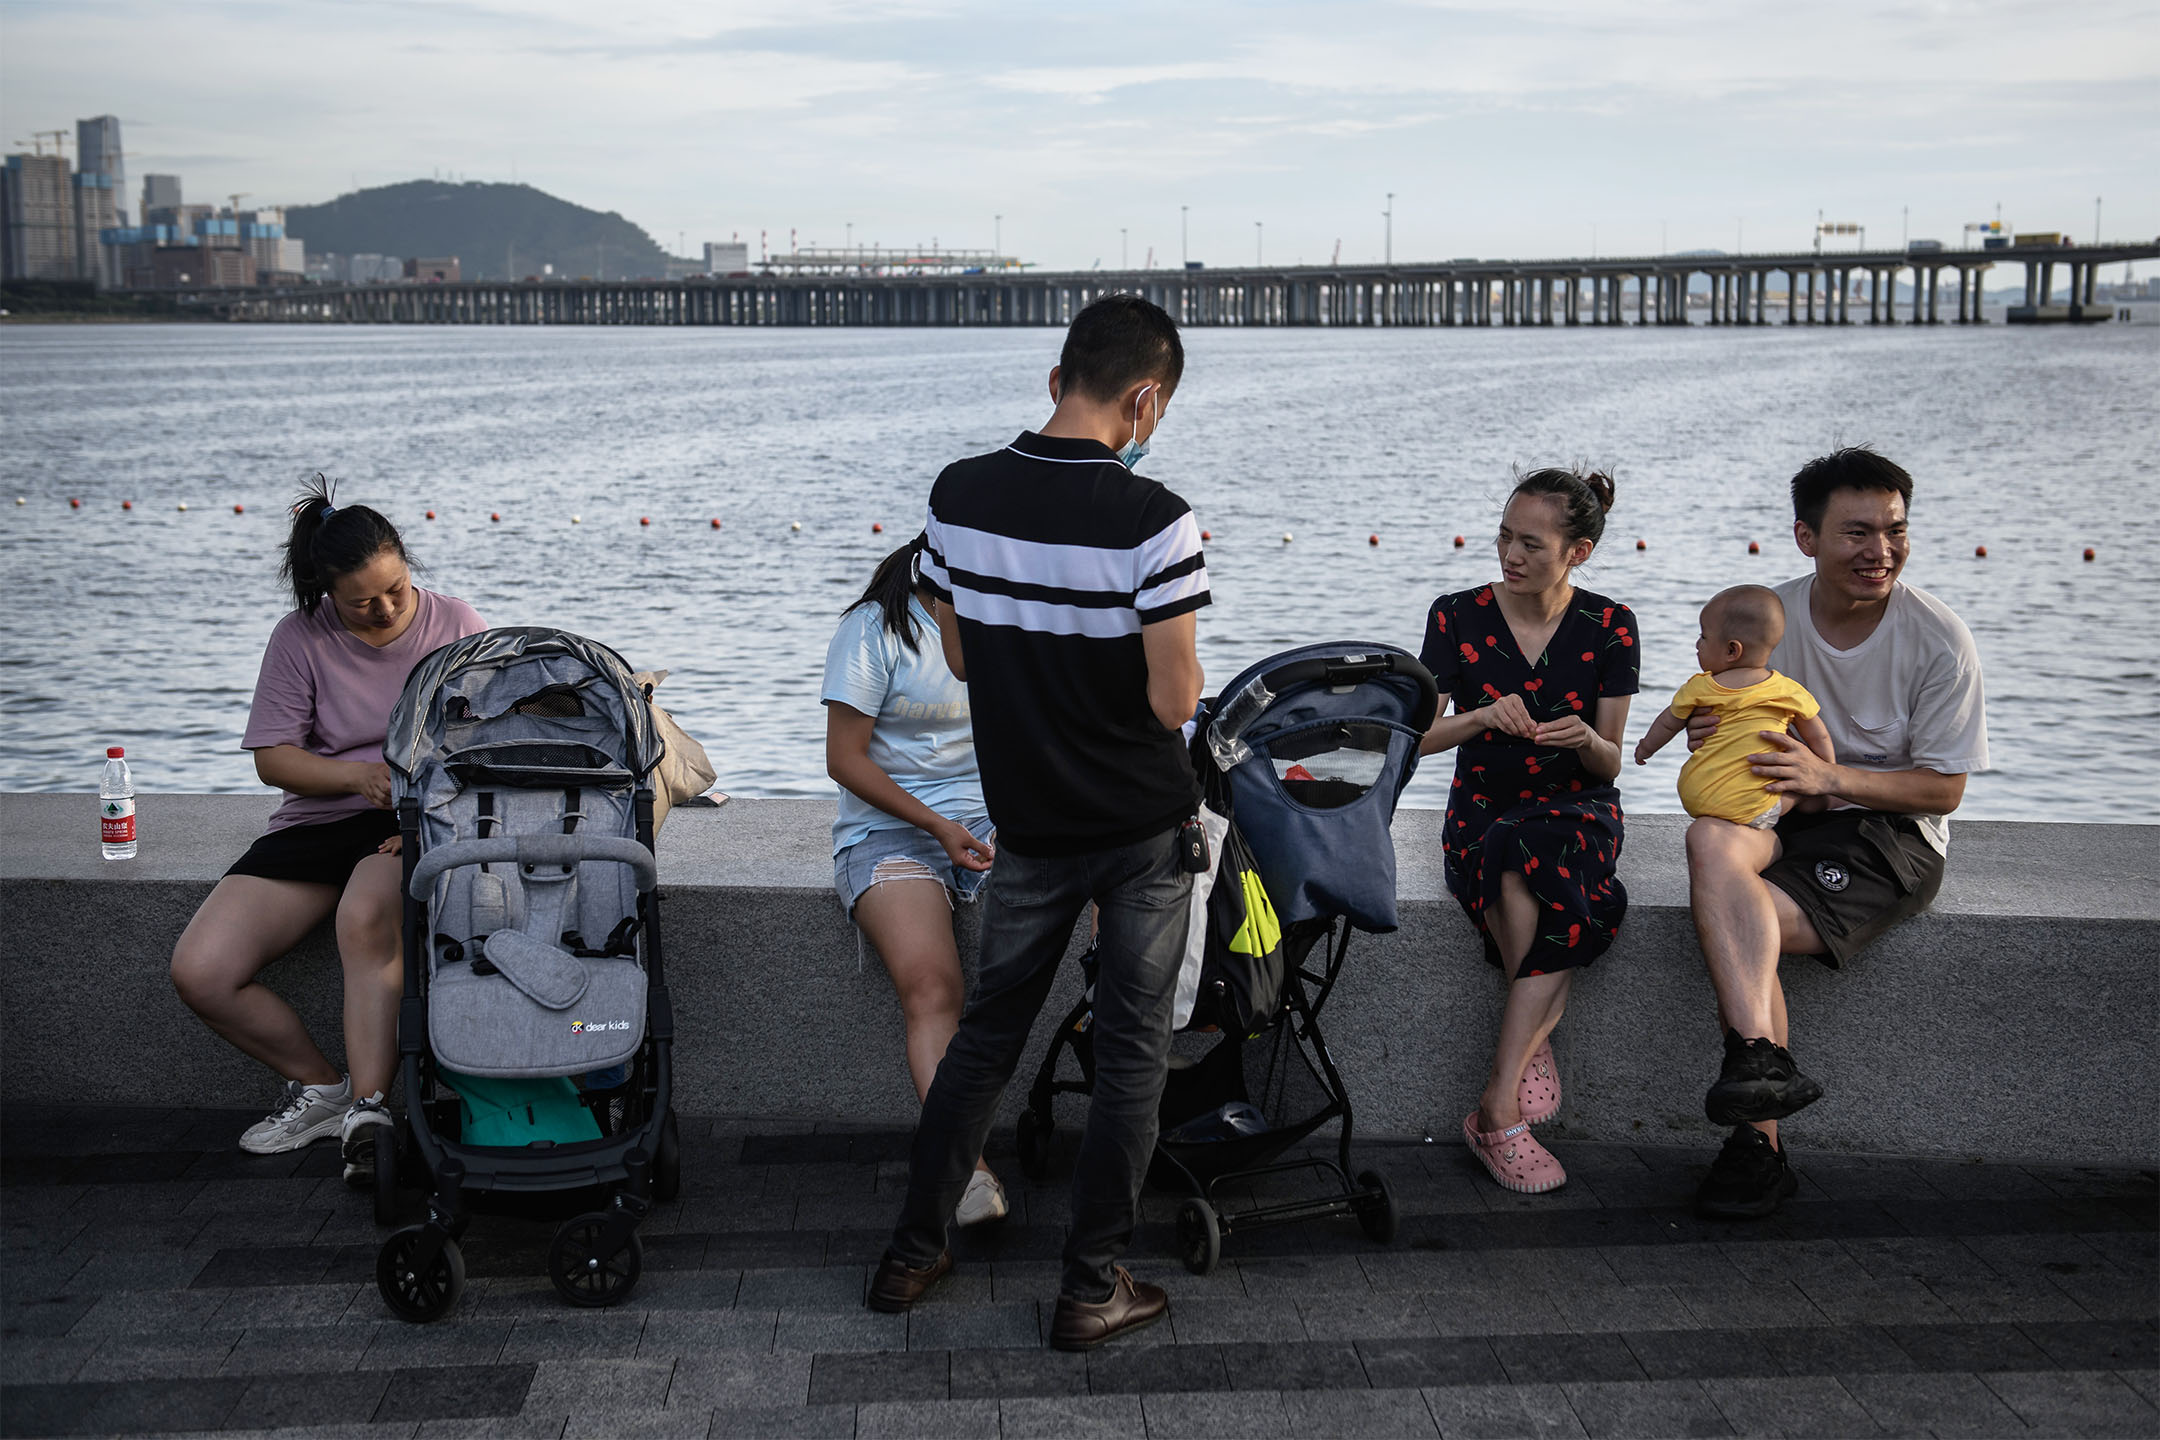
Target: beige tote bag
point(684, 772)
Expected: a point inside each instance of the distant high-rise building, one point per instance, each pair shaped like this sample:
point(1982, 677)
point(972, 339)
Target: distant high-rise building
point(262, 234)
point(97, 152)
point(433, 271)
point(159, 192)
point(100, 187)
point(729, 259)
point(37, 219)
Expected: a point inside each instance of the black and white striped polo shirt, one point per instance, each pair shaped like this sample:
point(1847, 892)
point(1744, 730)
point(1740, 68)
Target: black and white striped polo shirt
point(1053, 555)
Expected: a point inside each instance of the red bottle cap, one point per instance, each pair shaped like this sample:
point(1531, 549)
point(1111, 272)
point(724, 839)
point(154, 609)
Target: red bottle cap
point(114, 752)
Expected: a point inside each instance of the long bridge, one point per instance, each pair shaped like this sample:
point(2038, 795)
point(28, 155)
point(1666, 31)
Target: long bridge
point(1819, 289)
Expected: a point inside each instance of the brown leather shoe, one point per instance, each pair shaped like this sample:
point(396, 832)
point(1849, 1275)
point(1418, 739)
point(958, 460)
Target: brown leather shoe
point(895, 1287)
point(1133, 1305)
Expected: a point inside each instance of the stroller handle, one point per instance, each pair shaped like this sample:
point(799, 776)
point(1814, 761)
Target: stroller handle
point(534, 850)
point(1245, 706)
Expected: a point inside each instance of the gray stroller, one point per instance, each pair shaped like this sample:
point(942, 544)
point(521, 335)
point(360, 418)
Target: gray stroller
point(522, 765)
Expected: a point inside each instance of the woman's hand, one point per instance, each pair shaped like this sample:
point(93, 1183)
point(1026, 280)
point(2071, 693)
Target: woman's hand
point(372, 783)
point(961, 847)
point(1510, 716)
point(395, 845)
point(1566, 733)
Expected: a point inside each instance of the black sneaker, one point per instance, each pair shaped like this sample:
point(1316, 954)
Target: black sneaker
point(1759, 1082)
point(1748, 1180)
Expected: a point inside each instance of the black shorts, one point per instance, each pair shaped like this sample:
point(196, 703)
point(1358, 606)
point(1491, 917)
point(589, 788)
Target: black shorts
point(321, 854)
point(1854, 874)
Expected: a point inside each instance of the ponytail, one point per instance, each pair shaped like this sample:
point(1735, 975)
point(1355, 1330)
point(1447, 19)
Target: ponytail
point(891, 586)
point(1584, 495)
point(329, 541)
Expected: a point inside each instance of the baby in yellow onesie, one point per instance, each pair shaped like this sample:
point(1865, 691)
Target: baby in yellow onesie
point(1740, 627)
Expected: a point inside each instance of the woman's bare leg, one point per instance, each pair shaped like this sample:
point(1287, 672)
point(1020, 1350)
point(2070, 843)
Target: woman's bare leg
point(1534, 1006)
point(246, 923)
point(370, 949)
point(909, 919)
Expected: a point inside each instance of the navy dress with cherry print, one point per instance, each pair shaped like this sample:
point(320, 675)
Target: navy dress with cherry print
point(1517, 806)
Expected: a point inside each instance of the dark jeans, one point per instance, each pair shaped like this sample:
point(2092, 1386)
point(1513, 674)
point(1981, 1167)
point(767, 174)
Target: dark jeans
point(1029, 909)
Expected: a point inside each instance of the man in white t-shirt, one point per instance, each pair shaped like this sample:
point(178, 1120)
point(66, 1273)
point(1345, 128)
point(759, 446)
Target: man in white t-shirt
point(1898, 679)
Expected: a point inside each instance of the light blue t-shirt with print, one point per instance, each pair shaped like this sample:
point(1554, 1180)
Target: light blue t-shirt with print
point(923, 737)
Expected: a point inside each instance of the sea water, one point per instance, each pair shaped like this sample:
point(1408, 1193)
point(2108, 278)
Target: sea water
point(146, 624)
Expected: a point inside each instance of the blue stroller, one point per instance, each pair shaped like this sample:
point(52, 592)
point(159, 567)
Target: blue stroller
point(1301, 759)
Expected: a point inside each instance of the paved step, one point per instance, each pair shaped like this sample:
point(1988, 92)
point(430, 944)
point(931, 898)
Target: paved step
point(157, 1280)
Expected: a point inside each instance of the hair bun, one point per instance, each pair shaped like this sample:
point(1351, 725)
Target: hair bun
point(1601, 485)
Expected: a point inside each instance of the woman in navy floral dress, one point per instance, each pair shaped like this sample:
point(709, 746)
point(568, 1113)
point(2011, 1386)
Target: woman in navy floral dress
point(1540, 674)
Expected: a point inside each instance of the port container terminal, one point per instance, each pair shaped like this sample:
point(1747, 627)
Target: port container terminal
point(1854, 287)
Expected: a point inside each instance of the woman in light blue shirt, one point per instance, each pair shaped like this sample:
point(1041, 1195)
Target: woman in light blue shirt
point(912, 835)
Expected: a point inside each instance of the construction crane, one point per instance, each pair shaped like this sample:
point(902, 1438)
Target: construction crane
point(37, 141)
point(236, 197)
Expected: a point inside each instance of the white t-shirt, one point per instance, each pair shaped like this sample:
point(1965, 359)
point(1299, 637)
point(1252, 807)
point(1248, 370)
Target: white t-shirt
point(924, 737)
point(1906, 698)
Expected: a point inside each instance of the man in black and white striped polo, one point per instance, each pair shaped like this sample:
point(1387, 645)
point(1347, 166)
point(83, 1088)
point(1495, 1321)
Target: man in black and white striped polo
point(1067, 590)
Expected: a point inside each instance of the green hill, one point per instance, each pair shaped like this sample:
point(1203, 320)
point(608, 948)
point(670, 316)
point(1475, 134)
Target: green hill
point(494, 230)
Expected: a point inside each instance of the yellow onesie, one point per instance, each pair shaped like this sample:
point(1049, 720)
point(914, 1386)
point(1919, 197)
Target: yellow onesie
point(1716, 780)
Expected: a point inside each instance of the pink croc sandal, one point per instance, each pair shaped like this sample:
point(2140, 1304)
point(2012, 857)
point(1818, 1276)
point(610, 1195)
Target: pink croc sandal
point(1538, 1092)
point(1514, 1157)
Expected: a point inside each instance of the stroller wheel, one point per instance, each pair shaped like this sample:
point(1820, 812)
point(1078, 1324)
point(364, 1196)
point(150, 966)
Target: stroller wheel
point(1199, 1236)
point(584, 1276)
point(1031, 1136)
point(414, 1292)
point(1376, 1211)
point(667, 1160)
point(386, 1177)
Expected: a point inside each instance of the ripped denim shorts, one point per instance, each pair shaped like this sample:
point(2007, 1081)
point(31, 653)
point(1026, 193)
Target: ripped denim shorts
point(906, 853)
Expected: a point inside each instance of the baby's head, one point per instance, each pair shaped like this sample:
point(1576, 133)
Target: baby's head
point(1740, 627)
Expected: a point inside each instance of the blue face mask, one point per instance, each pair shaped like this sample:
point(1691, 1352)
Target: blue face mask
point(1134, 450)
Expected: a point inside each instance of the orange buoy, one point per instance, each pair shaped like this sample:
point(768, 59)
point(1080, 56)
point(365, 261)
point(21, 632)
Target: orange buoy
point(644, 519)
point(1458, 542)
point(1980, 552)
point(495, 515)
point(715, 524)
point(127, 504)
point(74, 504)
point(1372, 540)
point(1207, 534)
point(1639, 545)
point(1753, 548)
point(2088, 552)
point(876, 528)
point(239, 509)
point(430, 514)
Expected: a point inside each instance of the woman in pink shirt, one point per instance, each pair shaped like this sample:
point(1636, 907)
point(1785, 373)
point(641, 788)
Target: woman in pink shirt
point(334, 668)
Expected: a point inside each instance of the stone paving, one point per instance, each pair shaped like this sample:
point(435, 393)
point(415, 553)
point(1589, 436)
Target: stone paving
point(156, 1279)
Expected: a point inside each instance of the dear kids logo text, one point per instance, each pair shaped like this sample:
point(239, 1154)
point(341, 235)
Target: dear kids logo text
point(589, 1027)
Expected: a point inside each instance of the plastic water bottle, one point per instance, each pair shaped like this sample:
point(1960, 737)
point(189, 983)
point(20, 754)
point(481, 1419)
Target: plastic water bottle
point(116, 806)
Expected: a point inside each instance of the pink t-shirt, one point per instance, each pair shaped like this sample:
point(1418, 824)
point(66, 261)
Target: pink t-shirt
point(329, 692)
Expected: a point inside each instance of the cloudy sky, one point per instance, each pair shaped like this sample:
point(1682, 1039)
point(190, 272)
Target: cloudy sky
point(1504, 129)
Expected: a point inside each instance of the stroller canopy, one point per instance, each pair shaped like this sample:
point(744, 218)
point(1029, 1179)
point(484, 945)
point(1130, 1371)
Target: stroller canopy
point(1317, 744)
point(523, 671)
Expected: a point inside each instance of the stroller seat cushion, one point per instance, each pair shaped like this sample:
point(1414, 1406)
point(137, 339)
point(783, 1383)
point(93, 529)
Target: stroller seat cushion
point(551, 976)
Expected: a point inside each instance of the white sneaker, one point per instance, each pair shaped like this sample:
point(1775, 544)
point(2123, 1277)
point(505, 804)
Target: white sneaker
point(305, 1115)
point(366, 1124)
point(982, 1201)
